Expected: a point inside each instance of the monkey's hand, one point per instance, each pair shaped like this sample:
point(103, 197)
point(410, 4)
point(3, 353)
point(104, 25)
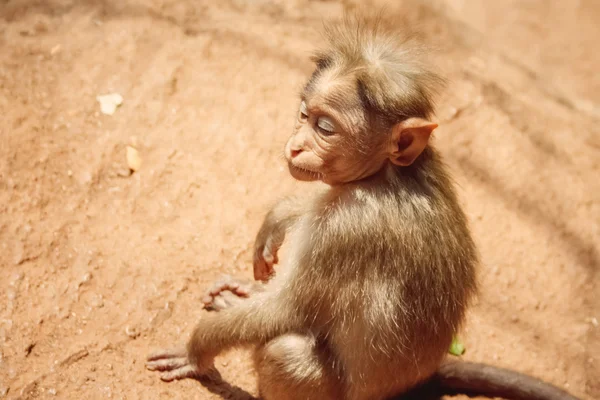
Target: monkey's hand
point(176, 364)
point(265, 256)
point(272, 233)
point(228, 292)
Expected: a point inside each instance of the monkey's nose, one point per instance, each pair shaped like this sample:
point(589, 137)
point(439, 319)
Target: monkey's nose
point(294, 153)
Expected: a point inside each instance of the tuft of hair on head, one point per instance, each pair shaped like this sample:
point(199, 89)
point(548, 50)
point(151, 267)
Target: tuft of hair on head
point(387, 63)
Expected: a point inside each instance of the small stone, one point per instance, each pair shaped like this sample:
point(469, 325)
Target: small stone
point(124, 172)
point(97, 301)
point(132, 332)
point(109, 102)
point(593, 321)
point(19, 256)
point(85, 278)
point(52, 391)
point(29, 348)
point(134, 161)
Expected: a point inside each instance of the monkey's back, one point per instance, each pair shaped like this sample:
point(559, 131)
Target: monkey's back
point(399, 263)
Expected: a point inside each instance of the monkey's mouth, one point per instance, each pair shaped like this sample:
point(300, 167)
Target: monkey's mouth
point(303, 174)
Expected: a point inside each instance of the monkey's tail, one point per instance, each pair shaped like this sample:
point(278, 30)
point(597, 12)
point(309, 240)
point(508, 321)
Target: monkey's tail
point(473, 379)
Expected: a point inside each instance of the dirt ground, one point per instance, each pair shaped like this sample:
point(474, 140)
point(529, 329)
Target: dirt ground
point(99, 266)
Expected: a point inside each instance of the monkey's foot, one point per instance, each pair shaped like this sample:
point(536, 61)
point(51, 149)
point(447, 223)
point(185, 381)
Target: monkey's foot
point(227, 292)
point(173, 364)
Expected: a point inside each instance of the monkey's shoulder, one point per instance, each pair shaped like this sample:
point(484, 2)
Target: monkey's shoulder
point(382, 205)
point(387, 223)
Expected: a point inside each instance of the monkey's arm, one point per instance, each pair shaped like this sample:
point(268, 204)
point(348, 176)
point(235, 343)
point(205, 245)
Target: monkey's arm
point(271, 235)
point(257, 320)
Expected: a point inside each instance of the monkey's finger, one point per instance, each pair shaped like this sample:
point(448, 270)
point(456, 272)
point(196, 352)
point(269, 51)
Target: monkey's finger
point(270, 260)
point(216, 288)
point(231, 286)
point(226, 282)
point(219, 303)
point(167, 364)
point(181, 373)
point(242, 291)
point(268, 257)
point(170, 353)
point(261, 271)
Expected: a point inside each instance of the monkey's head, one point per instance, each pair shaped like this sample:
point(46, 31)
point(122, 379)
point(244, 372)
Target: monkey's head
point(367, 104)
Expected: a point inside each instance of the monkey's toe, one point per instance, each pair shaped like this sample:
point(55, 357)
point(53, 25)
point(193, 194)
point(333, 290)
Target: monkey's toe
point(237, 286)
point(227, 292)
point(263, 267)
point(222, 301)
point(167, 364)
point(165, 354)
point(187, 371)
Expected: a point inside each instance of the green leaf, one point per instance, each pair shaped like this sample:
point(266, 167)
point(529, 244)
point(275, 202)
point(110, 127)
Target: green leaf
point(456, 347)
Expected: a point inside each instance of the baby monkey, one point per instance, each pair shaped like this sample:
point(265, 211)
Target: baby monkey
point(381, 265)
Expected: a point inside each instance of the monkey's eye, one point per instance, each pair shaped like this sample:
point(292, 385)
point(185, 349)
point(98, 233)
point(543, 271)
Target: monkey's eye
point(326, 125)
point(303, 111)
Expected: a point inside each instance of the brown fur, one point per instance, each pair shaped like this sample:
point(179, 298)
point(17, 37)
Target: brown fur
point(381, 266)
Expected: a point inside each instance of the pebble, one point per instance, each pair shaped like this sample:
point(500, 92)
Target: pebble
point(85, 278)
point(134, 161)
point(132, 332)
point(97, 301)
point(593, 321)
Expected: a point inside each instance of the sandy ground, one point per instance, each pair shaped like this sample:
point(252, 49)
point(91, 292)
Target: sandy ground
point(97, 267)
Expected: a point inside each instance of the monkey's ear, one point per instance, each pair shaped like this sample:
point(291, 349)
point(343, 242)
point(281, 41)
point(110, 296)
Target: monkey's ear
point(409, 139)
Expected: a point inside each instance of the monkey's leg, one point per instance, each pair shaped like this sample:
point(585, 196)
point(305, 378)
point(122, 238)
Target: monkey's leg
point(294, 367)
point(228, 292)
point(257, 320)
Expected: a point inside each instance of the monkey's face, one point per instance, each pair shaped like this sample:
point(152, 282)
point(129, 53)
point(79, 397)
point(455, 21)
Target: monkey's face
point(329, 145)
